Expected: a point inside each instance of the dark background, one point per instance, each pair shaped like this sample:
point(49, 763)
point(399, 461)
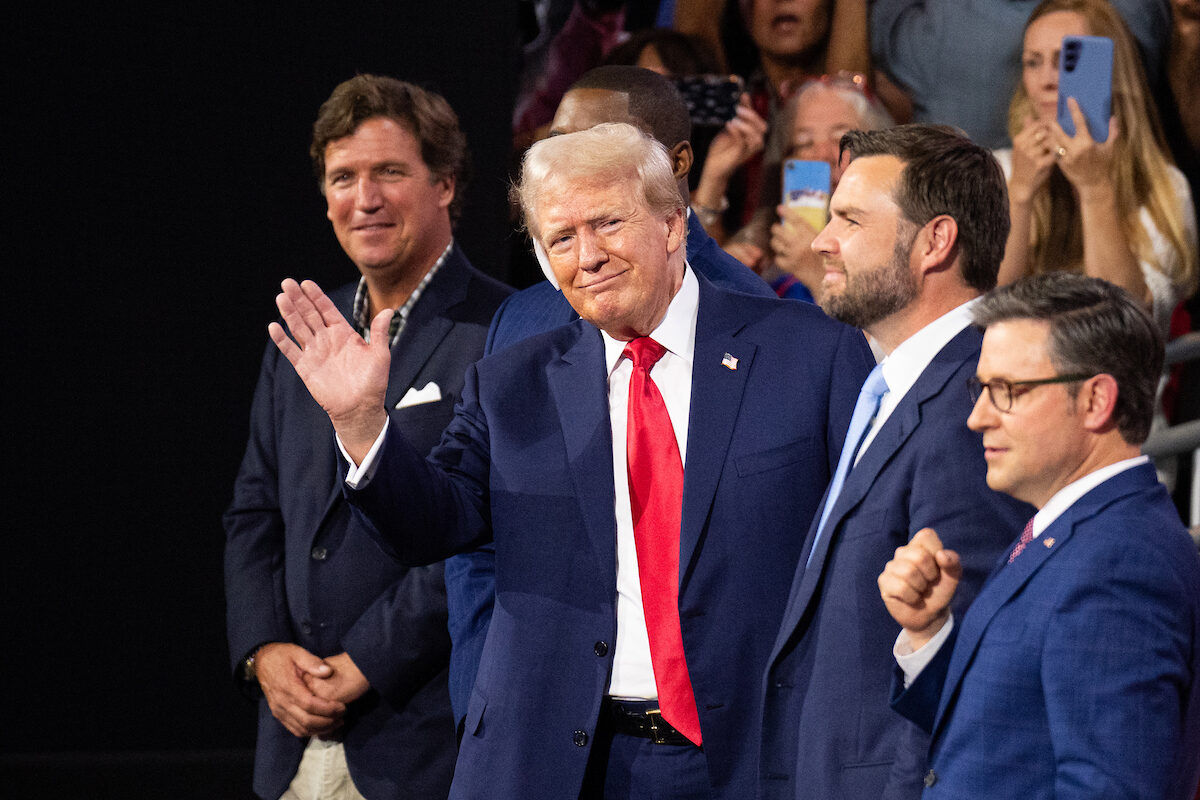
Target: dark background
point(158, 189)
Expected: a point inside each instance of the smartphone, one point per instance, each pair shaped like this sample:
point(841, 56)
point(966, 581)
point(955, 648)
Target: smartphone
point(711, 99)
point(806, 188)
point(1085, 73)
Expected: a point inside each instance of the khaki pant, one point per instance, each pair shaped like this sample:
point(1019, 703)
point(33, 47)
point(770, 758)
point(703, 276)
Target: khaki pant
point(323, 774)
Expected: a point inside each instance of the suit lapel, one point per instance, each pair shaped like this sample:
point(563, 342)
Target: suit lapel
point(892, 435)
point(716, 397)
point(579, 388)
point(1008, 579)
point(428, 324)
point(900, 425)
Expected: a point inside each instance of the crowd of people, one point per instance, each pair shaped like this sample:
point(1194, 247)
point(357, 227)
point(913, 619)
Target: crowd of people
point(737, 502)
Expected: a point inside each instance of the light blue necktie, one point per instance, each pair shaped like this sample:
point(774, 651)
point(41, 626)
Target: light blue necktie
point(865, 410)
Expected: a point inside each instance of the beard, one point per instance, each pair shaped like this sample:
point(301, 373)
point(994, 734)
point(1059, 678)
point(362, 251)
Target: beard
point(871, 296)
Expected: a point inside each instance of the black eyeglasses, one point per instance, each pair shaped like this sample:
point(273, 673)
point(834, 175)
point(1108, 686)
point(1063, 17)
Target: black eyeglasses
point(1002, 393)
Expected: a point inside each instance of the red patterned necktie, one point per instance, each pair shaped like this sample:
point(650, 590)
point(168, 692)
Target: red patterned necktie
point(1023, 542)
point(656, 499)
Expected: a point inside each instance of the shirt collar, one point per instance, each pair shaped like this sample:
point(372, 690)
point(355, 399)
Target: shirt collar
point(905, 364)
point(360, 312)
point(1066, 496)
point(676, 332)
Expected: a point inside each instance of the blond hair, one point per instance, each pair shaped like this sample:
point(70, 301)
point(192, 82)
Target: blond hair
point(605, 150)
point(1141, 165)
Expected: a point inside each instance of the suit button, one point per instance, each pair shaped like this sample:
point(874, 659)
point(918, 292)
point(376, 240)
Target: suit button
point(930, 778)
point(319, 553)
point(601, 649)
point(580, 738)
point(306, 628)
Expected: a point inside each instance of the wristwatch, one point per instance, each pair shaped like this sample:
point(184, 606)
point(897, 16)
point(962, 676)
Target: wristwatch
point(249, 674)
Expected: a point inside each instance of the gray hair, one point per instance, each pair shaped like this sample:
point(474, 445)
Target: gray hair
point(868, 111)
point(603, 151)
point(1095, 328)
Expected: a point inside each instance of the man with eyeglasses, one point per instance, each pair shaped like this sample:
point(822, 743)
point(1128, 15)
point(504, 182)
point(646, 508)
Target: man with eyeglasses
point(919, 222)
point(1073, 674)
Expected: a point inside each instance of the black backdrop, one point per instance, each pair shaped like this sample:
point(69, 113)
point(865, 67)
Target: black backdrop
point(158, 189)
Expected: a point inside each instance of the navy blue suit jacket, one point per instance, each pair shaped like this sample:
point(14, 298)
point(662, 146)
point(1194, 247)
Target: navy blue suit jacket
point(527, 463)
point(827, 729)
point(1074, 673)
point(470, 578)
point(300, 568)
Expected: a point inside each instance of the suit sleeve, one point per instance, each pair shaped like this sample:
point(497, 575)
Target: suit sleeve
point(424, 510)
point(919, 701)
point(1115, 671)
point(399, 642)
point(256, 605)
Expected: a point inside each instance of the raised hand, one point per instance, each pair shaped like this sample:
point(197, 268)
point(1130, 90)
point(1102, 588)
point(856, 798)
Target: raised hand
point(738, 141)
point(918, 583)
point(791, 242)
point(1033, 156)
point(1088, 164)
point(345, 375)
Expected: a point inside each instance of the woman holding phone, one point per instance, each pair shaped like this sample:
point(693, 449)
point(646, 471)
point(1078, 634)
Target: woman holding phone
point(1114, 209)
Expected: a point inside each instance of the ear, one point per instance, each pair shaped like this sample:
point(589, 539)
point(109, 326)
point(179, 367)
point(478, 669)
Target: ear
point(446, 187)
point(937, 244)
point(682, 158)
point(676, 230)
point(1097, 402)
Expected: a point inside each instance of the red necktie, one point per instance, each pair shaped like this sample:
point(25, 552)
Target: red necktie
point(656, 499)
point(1023, 542)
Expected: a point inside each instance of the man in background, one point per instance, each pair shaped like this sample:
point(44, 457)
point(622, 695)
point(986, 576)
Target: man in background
point(349, 649)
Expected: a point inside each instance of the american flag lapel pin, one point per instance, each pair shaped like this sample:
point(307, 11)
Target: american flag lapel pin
point(729, 362)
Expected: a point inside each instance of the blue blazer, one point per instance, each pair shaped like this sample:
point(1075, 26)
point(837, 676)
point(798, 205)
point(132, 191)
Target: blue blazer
point(1074, 674)
point(300, 568)
point(527, 463)
point(827, 729)
point(470, 578)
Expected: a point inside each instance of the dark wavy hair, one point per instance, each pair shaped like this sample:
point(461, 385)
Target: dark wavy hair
point(424, 114)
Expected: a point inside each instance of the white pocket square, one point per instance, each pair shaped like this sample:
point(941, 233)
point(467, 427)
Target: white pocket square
point(415, 397)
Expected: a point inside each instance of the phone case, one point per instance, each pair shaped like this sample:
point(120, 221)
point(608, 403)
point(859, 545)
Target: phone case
point(806, 187)
point(711, 99)
point(1085, 73)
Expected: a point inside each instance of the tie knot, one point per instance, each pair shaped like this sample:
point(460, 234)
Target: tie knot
point(644, 352)
point(875, 385)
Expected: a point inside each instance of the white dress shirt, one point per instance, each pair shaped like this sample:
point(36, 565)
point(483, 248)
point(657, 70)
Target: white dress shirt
point(632, 674)
point(905, 364)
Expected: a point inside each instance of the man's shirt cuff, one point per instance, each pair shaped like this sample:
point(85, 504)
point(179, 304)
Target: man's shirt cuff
point(913, 661)
point(359, 476)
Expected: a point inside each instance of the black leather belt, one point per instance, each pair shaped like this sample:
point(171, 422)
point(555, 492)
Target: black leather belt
point(642, 718)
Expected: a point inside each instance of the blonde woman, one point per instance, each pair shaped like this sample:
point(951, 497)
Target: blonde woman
point(1118, 209)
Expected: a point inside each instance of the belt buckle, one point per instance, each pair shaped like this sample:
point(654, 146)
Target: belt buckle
point(653, 718)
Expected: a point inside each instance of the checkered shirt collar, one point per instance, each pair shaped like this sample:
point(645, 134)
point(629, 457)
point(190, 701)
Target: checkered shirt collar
point(361, 315)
